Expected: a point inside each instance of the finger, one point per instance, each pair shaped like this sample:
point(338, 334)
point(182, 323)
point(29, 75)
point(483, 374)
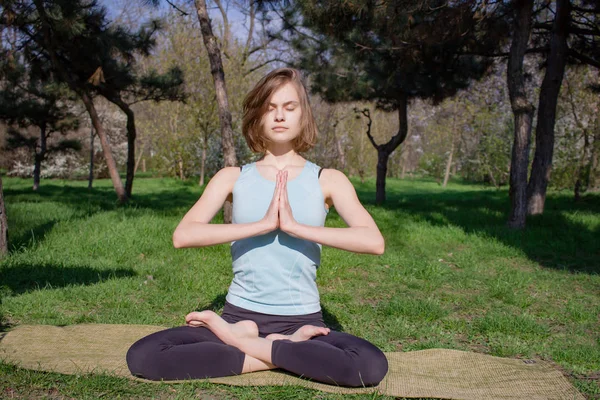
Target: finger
point(277, 191)
point(285, 193)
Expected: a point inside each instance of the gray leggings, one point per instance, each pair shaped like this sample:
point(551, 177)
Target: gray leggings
point(195, 353)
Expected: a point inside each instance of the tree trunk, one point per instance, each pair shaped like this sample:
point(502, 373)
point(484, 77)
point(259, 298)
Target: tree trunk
point(137, 163)
point(544, 135)
point(110, 161)
point(144, 164)
point(180, 165)
point(340, 152)
point(385, 150)
point(581, 166)
point(523, 112)
point(39, 157)
point(203, 162)
point(404, 160)
point(453, 133)
point(382, 160)
point(3, 223)
point(216, 66)
point(131, 136)
point(448, 164)
point(91, 174)
point(593, 183)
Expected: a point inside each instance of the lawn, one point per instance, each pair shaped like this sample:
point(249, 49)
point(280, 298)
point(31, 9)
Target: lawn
point(452, 276)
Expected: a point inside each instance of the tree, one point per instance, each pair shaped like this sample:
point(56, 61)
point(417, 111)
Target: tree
point(3, 223)
point(544, 135)
point(72, 42)
point(25, 102)
point(566, 31)
point(388, 54)
point(523, 112)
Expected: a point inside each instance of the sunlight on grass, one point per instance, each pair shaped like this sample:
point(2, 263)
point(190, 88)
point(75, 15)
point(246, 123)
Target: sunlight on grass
point(453, 276)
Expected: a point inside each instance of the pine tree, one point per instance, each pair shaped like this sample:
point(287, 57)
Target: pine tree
point(73, 42)
point(388, 53)
point(25, 102)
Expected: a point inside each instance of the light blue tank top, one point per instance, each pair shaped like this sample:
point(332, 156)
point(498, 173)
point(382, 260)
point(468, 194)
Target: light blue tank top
point(275, 273)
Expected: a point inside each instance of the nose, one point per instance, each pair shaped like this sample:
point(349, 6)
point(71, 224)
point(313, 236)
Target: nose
point(279, 114)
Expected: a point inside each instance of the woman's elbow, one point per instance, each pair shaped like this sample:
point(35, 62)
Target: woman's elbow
point(178, 239)
point(379, 247)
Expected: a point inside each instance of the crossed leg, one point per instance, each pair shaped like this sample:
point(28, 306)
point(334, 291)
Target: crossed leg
point(244, 336)
point(331, 357)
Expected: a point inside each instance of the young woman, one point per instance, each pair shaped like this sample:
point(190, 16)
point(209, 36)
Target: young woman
point(272, 317)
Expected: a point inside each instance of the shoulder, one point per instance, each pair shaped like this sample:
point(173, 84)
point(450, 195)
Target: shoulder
point(226, 176)
point(334, 182)
point(228, 173)
point(331, 175)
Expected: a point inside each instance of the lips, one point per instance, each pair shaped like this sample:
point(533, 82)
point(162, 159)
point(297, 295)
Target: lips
point(279, 128)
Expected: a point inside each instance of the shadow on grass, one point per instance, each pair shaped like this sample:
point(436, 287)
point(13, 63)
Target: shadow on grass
point(17, 279)
point(170, 200)
point(554, 239)
point(30, 236)
point(219, 302)
point(89, 201)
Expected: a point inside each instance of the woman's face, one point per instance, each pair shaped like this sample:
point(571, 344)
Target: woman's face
point(281, 123)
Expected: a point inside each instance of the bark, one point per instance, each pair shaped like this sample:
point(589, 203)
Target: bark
point(131, 136)
point(110, 161)
point(449, 161)
point(523, 112)
point(594, 175)
point(404, 162)
point(246, 51)
point(3, 224)
point(340, 152)
point(39, 157)
point(216, 66)
point(137, 163)
point(581, 167)
point(91, 174)
point(180, 165)
point(448, 165)
point(203, 162)
point(544, 135)
point(226, 28)
point(385, 150)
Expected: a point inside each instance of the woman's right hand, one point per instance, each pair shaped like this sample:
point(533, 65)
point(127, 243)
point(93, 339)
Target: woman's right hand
point(271, 218)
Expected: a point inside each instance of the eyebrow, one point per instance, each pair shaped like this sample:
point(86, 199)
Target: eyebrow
point(286, 103)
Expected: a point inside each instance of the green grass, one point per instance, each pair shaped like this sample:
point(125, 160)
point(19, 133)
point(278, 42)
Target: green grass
point(453, 276)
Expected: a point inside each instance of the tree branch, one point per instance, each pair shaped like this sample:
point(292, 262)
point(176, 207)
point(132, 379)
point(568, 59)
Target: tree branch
point(584, 59)
point(183, 13)
point(263, 64)
point(367, 113)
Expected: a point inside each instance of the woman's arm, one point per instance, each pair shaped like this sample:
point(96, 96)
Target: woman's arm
point(362, 234)
point(195, 229)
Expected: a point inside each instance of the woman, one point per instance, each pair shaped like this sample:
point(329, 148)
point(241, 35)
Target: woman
point(272, 317)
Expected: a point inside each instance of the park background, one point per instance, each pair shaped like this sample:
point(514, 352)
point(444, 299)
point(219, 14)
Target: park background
point(415, 101)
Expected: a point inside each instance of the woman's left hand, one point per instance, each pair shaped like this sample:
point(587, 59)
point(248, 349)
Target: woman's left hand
point(286, 218)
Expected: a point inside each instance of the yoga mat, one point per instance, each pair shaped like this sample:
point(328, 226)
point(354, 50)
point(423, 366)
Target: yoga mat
point(434, 373)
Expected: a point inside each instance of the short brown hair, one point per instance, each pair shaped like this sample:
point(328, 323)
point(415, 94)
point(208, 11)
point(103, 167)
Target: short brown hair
point(256, 104)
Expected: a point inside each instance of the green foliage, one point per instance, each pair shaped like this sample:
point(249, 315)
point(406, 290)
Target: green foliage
point(364, 51)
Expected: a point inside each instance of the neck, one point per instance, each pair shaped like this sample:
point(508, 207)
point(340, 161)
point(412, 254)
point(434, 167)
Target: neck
point(281, 159)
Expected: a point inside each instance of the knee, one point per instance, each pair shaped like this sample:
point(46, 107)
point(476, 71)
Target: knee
point(374, 368)
point(371, 368)
point(140, 359)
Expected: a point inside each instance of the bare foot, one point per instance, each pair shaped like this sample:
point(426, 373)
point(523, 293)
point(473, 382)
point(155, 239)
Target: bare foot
point(304, 333)
point(230, 334)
